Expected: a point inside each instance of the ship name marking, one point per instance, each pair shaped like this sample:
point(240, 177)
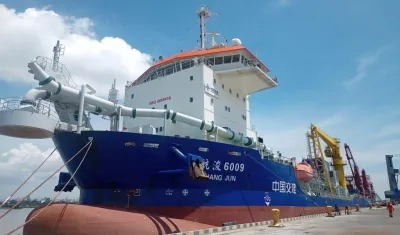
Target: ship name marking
point(222, 177)
point(283, 187)
point(218, 165)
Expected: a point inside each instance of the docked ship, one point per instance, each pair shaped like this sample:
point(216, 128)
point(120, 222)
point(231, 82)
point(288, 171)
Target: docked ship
point(180, 154)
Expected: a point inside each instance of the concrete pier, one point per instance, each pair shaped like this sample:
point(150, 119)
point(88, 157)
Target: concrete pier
point(374, 221)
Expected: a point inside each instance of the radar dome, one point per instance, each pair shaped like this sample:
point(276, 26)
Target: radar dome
point(236, 42)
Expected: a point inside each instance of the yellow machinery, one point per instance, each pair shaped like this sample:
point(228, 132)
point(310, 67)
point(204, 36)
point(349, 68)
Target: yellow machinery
point(332, 150)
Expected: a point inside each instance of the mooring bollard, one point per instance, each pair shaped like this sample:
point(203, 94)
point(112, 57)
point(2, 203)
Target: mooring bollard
point(357, 208)
point(329, 211)
point(275, 218)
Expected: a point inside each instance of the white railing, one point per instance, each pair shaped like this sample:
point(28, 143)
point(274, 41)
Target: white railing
point(62, 74)
point(40, 106)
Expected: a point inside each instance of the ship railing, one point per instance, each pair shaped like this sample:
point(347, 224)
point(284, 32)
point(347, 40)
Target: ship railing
point(69, 127)
point(40, 106)
point(61, 71)
point(172, 68)
point(283, 160)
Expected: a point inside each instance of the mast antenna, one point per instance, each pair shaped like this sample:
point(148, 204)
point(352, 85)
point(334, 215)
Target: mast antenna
point(58, 50)
point(203, 13)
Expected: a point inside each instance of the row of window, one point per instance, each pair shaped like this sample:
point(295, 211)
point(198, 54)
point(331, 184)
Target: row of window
point(230, 90)
point(181, 65)
point(228, 109)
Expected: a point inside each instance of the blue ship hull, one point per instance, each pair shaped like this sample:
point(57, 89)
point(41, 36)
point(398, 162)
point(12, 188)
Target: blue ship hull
point(141, 171)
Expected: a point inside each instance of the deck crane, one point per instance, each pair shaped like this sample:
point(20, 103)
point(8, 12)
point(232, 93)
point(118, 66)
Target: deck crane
point(354, 170)
point(332, 150)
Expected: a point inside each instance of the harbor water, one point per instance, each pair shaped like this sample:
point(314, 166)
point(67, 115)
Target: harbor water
point(12, 220)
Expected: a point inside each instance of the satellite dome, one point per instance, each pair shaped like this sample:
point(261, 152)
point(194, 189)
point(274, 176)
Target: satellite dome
point(236, 42)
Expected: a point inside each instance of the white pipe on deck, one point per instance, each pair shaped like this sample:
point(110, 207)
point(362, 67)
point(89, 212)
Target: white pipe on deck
point(81, 108)
point(109, 107)
point(34, 94)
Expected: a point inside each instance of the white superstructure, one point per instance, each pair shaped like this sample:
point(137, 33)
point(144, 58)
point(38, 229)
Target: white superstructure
point(202, 94)
point(211, 84)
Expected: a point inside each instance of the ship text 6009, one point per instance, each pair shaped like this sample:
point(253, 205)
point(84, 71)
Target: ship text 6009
point(230, 166)
point(218, 165)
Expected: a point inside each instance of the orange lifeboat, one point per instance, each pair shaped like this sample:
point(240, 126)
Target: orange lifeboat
point(304, 172)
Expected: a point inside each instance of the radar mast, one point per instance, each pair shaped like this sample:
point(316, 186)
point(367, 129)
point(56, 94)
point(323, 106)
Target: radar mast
point(203, 13)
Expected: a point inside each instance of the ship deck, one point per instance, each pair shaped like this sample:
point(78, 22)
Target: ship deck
point(366, 222)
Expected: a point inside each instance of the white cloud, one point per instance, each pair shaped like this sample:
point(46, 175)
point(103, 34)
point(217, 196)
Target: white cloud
point(95, 61)
point(34, 32)
point(18, 163)
point(363, 65)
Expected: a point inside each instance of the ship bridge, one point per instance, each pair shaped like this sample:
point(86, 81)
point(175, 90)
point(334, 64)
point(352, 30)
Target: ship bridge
point(233, 65)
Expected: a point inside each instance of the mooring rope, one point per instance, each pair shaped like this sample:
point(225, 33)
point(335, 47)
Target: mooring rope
point(19, 187)
point(19, 202)
point(58, 194)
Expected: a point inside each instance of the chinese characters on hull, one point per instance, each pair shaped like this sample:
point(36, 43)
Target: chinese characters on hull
point(283, 187)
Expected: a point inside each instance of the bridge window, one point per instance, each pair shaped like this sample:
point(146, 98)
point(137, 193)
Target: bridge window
point(218, 60)
point(191, 78)
point(169, 70)
point(132, 96)
point(215, 81)
point(237, 95)
point(235, 58)
point(227, 59)
point(223, 86)
point(165, 106)
point(191, 99)
point(212, 101)
point(230, 91)
point(185, 65)
point(244, 99)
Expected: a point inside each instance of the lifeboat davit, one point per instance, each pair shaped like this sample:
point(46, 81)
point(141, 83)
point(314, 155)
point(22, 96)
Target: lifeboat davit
point(304, 171)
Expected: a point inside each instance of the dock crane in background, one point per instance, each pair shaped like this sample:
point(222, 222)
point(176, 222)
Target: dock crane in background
point(332, 150)
point(393, 175)
point(355, 173)
point(362, 181)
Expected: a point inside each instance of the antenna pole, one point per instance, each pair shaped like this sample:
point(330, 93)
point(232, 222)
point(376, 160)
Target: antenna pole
point(203, 14)
point(58, 50)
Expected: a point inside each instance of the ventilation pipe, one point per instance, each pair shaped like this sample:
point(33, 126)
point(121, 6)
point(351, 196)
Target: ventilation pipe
point(107, 107)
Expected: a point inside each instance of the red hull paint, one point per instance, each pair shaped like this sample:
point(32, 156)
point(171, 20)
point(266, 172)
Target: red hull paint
point(87, 220)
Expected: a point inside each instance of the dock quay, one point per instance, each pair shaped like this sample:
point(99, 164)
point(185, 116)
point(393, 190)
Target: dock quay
point(366, 222)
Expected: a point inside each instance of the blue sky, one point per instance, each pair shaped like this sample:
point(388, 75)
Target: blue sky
point(337, 61)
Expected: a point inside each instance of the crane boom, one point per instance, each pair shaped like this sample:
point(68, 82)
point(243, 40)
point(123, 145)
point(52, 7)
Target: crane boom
point(332, 150)
point(354, 169)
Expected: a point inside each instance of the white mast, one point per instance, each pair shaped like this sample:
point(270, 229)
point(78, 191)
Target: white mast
point(203, 13)
point(58, 50)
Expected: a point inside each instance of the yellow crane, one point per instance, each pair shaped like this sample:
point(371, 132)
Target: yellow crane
point(332, 150)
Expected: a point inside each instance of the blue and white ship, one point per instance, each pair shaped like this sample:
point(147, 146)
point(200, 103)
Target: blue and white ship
point(181, 147)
